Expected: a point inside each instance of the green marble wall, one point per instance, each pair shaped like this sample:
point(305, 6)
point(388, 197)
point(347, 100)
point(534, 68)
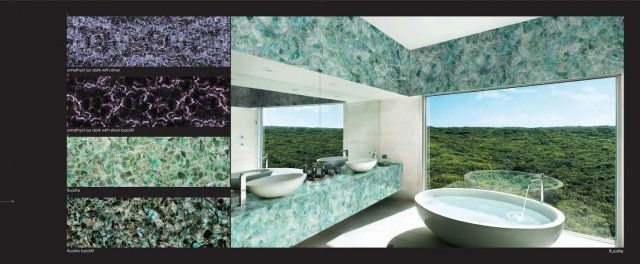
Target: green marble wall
point(315, 206)
point(148, 162)
point(546, 49)
point(344, 47)
point(355, 50)
point(541, 50)
point(291, 40)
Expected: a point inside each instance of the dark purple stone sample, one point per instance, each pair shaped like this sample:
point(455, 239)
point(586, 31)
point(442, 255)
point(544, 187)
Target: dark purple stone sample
point(148, 41)
point(116, 101)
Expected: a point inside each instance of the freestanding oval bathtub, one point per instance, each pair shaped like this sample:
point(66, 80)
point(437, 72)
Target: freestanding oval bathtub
point(481, 218)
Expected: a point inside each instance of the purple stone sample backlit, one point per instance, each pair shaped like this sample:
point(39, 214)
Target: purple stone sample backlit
point(116, 101)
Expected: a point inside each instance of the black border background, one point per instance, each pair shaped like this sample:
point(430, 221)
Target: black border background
point(33, 46)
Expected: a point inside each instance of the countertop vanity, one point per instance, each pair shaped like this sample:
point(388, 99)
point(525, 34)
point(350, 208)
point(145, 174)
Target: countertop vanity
point(312, 208)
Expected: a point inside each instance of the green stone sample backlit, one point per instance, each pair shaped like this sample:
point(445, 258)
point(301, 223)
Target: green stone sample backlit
point(148, 222)
point(148, 162)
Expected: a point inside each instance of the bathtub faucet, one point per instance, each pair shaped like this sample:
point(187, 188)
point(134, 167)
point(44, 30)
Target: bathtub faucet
point(541, 186)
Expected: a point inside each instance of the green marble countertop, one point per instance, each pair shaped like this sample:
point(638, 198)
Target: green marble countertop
point(255, 203)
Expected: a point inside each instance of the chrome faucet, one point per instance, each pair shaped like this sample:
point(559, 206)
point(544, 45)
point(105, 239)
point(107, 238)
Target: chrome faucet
point(243, 189)
point(541, 186)
point(266, 160)
point(345, 153)
point(243, 186)
point(373, 154)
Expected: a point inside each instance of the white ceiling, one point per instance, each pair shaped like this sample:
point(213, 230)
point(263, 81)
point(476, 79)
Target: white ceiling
point(418, 32)
point(259, 73)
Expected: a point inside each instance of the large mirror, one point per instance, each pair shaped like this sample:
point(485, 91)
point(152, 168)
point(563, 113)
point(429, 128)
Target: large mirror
point(277, 115)
point(284, 117)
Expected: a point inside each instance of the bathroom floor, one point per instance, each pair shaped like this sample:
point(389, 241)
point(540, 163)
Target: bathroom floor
point(395, 223)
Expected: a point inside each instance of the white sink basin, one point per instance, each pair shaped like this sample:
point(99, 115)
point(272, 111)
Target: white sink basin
point(333, 162)
point(361, 165)
point(276, 185)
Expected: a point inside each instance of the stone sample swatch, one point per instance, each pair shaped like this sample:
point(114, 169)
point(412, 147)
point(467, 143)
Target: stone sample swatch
point(148, 162)
point(199, 222)
point(116, 101)
point(148, 41)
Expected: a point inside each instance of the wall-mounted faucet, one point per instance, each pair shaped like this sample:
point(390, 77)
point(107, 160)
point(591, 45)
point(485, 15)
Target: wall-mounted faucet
point(345, 153)
point(266, 160)
point(243, 189)
point(541, 186)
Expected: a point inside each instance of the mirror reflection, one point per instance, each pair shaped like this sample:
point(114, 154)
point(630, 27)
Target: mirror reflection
point(286, 119)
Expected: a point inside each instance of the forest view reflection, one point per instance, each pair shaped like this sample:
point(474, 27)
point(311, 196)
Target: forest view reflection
point(295, 136)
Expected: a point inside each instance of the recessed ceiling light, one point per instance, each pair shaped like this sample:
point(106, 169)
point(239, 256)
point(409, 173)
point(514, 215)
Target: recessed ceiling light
point(336, 96)
point(332, 83)
point(267, 69)
point(295, 89)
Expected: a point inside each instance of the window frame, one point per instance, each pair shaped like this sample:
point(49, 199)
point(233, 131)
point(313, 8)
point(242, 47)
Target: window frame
point(619, 203)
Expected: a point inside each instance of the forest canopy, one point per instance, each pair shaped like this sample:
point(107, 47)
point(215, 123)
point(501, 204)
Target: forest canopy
point(583, 158)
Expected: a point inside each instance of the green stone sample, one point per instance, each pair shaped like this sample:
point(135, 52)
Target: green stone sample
point(148, 222)
point(148, 162)
point(315, 206)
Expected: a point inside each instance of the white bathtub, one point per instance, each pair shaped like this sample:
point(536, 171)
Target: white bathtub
point(481, 218)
